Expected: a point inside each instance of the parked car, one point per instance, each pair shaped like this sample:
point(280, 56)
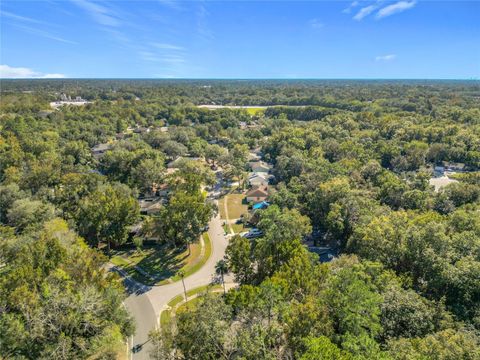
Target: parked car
point(254, 233)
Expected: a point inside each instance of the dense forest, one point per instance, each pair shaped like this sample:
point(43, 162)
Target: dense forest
point(351, 162)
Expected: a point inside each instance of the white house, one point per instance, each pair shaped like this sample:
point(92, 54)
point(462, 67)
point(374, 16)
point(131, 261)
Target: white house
point(257, 180)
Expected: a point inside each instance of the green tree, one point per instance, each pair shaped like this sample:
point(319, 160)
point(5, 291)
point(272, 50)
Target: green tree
point(202, 331)
point(238, 257)
point(60, 303)
point(106, 215)
point(322, 348)
point(148, 173)
point(25, 213)
point(182, 220)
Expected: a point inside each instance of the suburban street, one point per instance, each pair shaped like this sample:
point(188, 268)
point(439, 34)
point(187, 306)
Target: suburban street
point(146, 303)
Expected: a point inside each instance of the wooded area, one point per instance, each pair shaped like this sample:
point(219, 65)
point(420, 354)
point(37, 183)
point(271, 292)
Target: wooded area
point(352, 161)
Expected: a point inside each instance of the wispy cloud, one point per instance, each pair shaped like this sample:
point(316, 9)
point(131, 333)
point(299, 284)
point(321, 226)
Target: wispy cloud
point(388, 57)
point(365, 11)
point(349, 9)
point(43, 33)
point(396, 8)
point(99, 13)
point(165, 53)
point(173, 4)
point(20, 18)
point(167, 46)
point(316, 24)
point(9, 72)
point(203, 30)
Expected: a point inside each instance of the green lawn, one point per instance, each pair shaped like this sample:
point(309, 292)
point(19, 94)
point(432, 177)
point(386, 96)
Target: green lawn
point(255, 111)
point(235, 206)
point(195, 264)
point(166, 315)
point(162, 263)
point(221, 208)
point(238, 228)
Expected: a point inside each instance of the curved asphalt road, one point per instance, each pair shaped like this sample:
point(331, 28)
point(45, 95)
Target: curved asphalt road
point(146, 303)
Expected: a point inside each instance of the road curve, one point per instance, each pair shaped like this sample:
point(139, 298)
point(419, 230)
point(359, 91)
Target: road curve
point(146, 303)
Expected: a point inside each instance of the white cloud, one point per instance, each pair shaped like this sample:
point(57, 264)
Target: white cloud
point(19, 17)
point(9, 72)
point(348, 10)
point(42, 33)
point(365, 11)
point(167, 46)
point(316, 24)
point(99, 13)
point(388, 57)
point(171, 4)
point(395, 8)
point(203, 30)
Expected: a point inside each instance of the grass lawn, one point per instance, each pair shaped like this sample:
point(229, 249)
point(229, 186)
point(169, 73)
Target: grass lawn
point(190, 304)
point(221, 208)
point(160, 263)
point(238, 228)
point(235, 207)
point(166, 315)
point(255, 111)
point(196, 263)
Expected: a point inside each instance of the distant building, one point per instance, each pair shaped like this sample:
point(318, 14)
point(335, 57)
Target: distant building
point(257, 180)
point(454, 167)
point(150, 205)
point(260, 166)
point(257, 194)
point(100, 149)
point(440, 182)
point(141, 130)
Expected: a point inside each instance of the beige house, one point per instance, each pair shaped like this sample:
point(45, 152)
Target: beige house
point(257, 194)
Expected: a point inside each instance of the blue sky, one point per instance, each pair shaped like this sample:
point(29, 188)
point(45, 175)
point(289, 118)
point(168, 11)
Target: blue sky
point(240, 39)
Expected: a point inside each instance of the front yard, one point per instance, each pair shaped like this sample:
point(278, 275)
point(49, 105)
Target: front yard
point(157, 265)
point(231, 207)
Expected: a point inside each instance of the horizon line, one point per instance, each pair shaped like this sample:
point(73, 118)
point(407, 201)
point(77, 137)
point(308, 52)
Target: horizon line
point(233, 78)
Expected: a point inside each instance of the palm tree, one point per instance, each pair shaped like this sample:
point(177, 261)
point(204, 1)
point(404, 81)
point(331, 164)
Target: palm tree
point(181, 273)
point(221, 268)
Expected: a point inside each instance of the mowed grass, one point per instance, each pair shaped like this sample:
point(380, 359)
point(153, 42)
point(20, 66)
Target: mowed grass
point(235, 207)
point(166, 315)
point(238, 228)
point(255, 111)
point(197, 262)
point(221, 208)
point(161, 263)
